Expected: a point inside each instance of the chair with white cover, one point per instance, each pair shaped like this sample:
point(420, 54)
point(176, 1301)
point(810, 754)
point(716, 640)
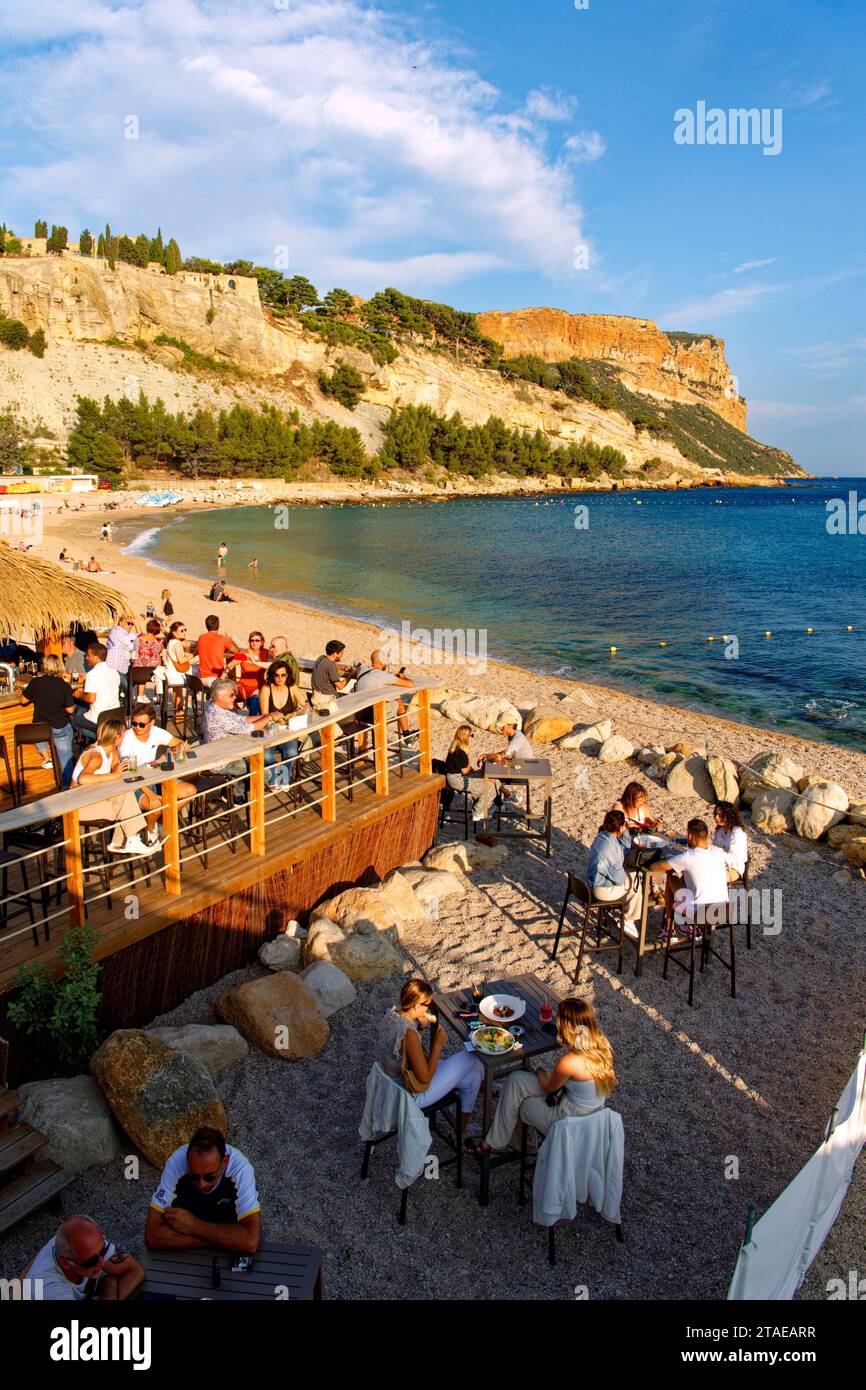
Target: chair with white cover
point(580, 1160)
point(391, 1112)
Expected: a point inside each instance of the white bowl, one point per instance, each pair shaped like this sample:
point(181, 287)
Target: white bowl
point(508, 1001)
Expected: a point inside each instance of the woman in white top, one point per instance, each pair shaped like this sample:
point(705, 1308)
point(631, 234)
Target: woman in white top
point(145, 743)
point(101, 762)
point(176, 663)
point(730, 836)
point(401, 1049)
point(577, 1084)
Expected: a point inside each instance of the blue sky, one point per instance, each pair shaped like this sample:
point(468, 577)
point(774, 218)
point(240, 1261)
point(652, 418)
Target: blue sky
point(466, 151)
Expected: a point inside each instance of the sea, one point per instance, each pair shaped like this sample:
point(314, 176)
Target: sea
point(746, 603)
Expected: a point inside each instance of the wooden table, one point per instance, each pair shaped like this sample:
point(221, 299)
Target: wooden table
point(278, 1272)
point(537, 1038)
point(527, 770)
point(643, 861)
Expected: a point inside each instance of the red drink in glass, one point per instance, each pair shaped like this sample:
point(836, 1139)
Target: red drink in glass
point(545, 1013)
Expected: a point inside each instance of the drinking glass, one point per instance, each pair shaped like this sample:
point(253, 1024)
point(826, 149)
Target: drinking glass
point(545, 1013)
point(180, 755)
point(132, 763)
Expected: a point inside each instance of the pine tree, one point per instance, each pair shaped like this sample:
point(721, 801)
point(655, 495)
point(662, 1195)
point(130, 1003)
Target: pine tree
point(41, 229)
point(173, 259)
point(100, 245)
point(56, 244)
point(85, 243)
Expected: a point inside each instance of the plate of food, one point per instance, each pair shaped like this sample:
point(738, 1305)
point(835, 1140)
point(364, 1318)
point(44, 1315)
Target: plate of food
point(502, 1009)
point(492, 1040)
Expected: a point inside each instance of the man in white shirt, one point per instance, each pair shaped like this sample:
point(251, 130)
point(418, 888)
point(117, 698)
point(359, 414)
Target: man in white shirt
point(376, 677)
point(696, 886)
point(80, 1263)
point(101, 689)
point(206, 1196)
point(517, 750)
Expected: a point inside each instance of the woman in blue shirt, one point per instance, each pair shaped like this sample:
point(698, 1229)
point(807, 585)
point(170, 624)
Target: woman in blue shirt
point(606, 873)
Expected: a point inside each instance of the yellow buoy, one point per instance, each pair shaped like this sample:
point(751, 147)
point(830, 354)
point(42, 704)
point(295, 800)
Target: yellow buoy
point(613, 649)
point(849, 628)
point(768, 634)
point(711, 639)
point(809, 629)
point(662, 644)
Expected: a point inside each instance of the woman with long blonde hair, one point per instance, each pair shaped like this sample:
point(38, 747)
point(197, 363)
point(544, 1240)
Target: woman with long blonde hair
point(459, 770)
point(578, 1083)
point(99, 764)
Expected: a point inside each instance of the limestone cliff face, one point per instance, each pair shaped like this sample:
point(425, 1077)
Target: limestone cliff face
point(645, 358)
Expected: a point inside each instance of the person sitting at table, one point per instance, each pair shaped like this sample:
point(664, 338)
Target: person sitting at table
point(53, 703)
point(696, 886)
point(578, 1083)
point(634, 804)
point(213, 647)
point(329, 676)
point(248, 668)
point(459, 770)
point(279, 647)
point(223, 719)
point(148, 658)
point(100, 763)
point(175, 665)
point(144, 741)
point(426, 1074)
point(377, 677)
point(729, 835)
point(280, 696)
point(517, 749)
point(607, 875)
point(101, 690)
point(206, 1196)
point(79, 1263)
point(73, 657)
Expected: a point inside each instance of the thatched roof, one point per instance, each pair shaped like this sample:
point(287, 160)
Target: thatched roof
point(36, 596)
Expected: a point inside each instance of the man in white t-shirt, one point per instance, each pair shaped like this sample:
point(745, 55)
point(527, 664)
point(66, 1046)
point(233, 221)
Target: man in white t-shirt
point(101, 689)
point(517, 750)
point(206, 1196)
point(80, 1263)
point(696, 886)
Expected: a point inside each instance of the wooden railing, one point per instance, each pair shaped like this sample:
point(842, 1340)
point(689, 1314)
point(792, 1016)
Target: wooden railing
point(67, 867)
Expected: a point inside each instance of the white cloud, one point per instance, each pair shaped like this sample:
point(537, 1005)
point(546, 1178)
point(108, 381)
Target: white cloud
point(326, 127)
point(585, 146)
point(755, 265)
point(828, 359)
point(737, 300)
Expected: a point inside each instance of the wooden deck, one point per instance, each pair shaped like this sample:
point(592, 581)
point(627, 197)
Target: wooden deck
point(228, 874)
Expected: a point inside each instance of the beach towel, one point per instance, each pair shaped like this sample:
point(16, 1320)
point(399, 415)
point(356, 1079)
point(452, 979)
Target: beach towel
point(580, 1160)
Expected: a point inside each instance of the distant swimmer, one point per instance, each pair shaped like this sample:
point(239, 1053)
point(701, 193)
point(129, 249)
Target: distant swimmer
point(222, 553)
point(253, 565)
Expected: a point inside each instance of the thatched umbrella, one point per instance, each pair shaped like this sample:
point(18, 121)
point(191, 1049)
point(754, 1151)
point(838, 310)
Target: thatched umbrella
point(41, 598)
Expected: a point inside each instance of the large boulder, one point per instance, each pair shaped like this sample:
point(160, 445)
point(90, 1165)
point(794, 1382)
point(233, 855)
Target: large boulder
point(615, 749)
point(839, 835)
point(74, 1114)
point(433, 886)
point(772, 810)
point(771, 770)
point(723, 775)
point(362, 954)
point(855, 851)
point(818, 807)
point(587, 738)
point(215, 1045)
point(388, 907)
point(330, 987)
point(159, 1097)
point(482, 711)
point(465, 855)
point(283, 952)
point(544, 723)
point(278, 1015)
point(857, 812)
point(689, 777)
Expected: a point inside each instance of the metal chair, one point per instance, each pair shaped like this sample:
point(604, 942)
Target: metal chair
point(10, 860)
point(211, 788)
point(700, 951)
point(194, 697)
point(10, 780)
point(525, 1167)
point(451, 1101)
point(595, 918)
point(25, 736)
point(446, 800)
point(139, 677)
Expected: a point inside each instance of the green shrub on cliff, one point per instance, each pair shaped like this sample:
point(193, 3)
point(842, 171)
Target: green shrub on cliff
point(345, 385)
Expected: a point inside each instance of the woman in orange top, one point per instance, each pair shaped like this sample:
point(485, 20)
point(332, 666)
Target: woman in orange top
point(249, 668)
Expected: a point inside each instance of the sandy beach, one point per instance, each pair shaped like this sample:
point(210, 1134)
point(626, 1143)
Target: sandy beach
point(755, 1077)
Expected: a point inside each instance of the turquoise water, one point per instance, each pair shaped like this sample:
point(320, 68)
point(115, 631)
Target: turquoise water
point(650, 567)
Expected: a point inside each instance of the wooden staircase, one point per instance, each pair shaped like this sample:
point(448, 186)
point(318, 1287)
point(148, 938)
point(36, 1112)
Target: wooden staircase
point(26, 1182)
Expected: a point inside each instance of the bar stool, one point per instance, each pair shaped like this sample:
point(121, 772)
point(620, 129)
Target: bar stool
point(8, 860)
point(194, 697)
point(595, 915)
point(10, 780)
point(26, 736)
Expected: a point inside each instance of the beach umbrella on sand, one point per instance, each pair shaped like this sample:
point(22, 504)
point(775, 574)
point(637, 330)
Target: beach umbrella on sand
point(40, 598)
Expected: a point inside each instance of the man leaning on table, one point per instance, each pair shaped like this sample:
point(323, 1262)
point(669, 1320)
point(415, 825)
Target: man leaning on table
point(206, 1196)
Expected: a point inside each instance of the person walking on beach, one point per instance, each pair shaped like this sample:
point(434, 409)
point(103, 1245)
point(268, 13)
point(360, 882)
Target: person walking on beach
point(253, 565)
point(221, 554)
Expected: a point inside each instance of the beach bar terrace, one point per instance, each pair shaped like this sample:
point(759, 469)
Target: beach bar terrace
point(239, 859)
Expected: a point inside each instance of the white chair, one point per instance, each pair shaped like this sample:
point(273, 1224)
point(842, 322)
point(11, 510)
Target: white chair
point(389, 1112)
point(580, 1160)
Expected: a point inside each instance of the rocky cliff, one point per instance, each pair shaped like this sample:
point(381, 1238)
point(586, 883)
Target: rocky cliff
point(674, 367)
point(101, 326)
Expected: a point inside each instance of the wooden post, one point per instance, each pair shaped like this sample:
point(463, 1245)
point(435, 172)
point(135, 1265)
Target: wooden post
point(171, 847)
point(380, 746)
point(257, 802)
point(74, 868)
point(329, 774)
point(425, 748)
